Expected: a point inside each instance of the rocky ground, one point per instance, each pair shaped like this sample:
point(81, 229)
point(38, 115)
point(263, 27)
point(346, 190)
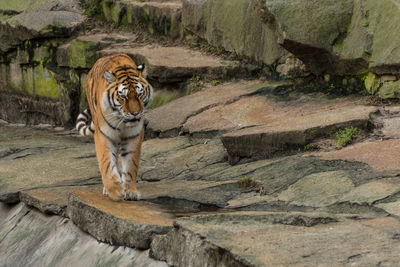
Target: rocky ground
point(291, 197)
point(241, 170)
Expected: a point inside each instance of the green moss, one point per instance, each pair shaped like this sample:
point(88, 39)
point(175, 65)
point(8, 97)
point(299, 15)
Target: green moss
point(94, 9)
point(39, 81)
point(116, 11)
point(372, 83)
point(215, 82)
point(13, 5)
point(161, 99)
point(82, 54)
point(247, 182)
point(345, 136)
point(390, 90)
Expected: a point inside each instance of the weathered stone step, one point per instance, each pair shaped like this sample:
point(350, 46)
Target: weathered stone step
point(130, 224)
point(168, 120)
point(258, 110)
point(268, 140)
point(279, 239)
point(30, 238)
point(168, 65)
point(160, 17)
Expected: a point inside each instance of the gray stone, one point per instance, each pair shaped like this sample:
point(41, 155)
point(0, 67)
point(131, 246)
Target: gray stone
point(373, 191)
point(62, 19)
point(317, 190)
point(41, 154)
point(28, 237)
point(129, 224)
point(234, 26)
point(391, 207)
point(156, 17)
point(273, 239)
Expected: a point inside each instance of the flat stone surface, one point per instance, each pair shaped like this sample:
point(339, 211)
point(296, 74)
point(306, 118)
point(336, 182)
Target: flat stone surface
point(259, 110)
point(267, 140)
point(178, 160)
point(168, 119)
point(131, 224)
point(177, 64)
point(391, 207)
point(29, 160)
point(370, 192)
point(30, 238)
point(317, 190)
point(275, 239)
point(380, 155)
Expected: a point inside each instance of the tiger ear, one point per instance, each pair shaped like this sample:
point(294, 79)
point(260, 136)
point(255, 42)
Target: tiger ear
point(143, 70)
point(110, 78)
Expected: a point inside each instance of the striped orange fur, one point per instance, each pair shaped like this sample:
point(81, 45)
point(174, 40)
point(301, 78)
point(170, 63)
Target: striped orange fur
point(117, 93)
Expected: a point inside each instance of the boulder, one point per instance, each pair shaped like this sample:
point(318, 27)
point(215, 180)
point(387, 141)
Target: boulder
point(62, 19)
point(338, 37)
point(234, 26)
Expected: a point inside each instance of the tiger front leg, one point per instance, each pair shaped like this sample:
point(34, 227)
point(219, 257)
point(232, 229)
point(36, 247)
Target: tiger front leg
point(106, 153)
point(130, 160)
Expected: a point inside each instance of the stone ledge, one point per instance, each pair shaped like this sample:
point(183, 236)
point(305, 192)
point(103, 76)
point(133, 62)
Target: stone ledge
point(267, 238)
point(268, 140)
point(167, 120)
point(130, 224)
point(178, 64)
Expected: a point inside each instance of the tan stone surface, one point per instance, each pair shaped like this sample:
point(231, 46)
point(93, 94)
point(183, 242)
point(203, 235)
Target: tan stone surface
point(316, 120)
point(173, 115)
point(257, 110)
point(172, 57)
point(136, 211)
point(263, 141)
point(54, 200)
point(380, 155)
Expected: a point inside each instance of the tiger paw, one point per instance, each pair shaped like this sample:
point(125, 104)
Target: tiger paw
point(115, 195)
point(133, 195)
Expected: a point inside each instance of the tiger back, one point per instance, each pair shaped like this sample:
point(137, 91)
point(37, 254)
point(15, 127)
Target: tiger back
point(117, 93)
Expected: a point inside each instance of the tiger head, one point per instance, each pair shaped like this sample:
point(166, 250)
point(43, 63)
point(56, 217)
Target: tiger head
point(128, 91)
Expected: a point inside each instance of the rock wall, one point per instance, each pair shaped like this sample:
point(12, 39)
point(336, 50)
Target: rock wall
point(348, 45)
point(332, 37)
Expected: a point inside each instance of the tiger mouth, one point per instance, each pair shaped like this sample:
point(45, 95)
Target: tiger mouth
point(131, 120)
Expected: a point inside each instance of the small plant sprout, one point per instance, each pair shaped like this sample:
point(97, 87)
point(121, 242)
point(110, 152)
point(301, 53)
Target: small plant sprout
point(345, 136)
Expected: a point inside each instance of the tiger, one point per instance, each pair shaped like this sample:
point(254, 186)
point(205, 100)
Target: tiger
point(118, 94)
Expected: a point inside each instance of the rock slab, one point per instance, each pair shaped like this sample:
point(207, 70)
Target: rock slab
point(30, 238)
point(279, 239)
point(267, 140)
point(130, 224)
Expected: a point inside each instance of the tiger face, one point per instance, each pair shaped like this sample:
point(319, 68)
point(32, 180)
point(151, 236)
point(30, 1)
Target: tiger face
point(128, 91)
